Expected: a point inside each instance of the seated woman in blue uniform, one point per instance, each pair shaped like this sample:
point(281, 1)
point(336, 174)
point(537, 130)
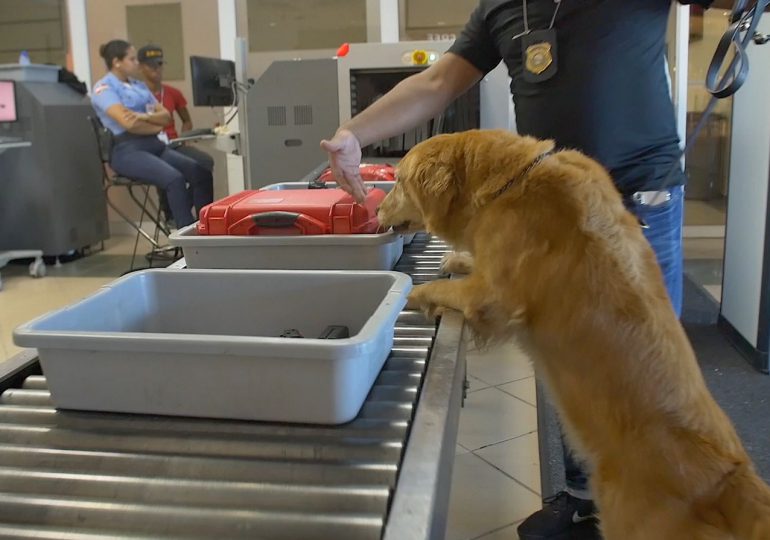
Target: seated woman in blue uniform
point(128, 109)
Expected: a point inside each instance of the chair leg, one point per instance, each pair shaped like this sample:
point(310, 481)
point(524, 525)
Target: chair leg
point(156, 234)
point(141, 221)
point(161, 253)
point(128, 220)
point(149, 203)
point(153, 212)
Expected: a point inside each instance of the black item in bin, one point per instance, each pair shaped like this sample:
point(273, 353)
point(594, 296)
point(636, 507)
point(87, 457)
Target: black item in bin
point(316, 184)
point(335, 332)
point(330, 332)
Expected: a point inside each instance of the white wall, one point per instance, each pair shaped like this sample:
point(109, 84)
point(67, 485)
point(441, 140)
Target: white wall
point(747, 204)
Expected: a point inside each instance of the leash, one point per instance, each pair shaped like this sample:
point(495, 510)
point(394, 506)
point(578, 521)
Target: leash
point(739, 35)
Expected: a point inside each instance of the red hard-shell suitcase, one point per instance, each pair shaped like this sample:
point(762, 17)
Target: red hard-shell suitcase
point(370, 172)
point(291, 212)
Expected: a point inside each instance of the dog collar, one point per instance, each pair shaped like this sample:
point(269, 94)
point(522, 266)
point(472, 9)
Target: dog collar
point(537, 161)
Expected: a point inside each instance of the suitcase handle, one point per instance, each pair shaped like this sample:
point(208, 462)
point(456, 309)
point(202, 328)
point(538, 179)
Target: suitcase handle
point(316, 181)
point(283, 220)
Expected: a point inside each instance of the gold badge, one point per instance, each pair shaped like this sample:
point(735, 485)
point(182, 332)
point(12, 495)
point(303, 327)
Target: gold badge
point(539, 57)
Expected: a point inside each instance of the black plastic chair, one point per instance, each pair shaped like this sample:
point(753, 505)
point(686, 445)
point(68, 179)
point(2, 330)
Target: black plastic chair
point(147, 206)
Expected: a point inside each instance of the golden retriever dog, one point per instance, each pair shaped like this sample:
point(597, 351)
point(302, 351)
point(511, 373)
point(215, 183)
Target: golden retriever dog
point(559, 262)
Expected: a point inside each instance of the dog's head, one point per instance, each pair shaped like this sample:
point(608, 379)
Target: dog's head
point(442, 181)
point(425, 183)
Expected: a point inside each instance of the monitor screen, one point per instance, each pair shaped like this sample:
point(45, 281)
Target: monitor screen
point(7, 101)
point(213, 80)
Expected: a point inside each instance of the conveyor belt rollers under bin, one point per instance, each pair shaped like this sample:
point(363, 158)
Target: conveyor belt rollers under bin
point(80, 475)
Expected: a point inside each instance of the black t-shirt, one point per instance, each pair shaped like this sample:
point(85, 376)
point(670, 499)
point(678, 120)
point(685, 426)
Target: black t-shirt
point(610, 96)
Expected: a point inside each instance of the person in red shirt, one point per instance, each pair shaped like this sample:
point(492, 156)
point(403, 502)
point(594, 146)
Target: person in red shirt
point(151, 63)
point(172, 99)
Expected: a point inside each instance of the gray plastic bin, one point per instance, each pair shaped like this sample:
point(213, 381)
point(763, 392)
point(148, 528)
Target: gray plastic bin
point(327, 252)
point(205, 343)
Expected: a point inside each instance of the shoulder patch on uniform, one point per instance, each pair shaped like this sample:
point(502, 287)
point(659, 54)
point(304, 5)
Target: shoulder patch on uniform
point(99, 88)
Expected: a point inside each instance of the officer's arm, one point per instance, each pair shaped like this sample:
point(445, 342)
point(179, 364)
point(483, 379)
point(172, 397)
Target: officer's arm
point(159, 117)
point(415, 99)
point(131, 121)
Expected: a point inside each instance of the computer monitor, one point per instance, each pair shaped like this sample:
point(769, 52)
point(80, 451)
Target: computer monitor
point(7, 101)
point(212, 81)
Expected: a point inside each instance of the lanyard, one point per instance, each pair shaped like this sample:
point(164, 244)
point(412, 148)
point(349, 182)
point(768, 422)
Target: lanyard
point(538, 48)
point(524, 6)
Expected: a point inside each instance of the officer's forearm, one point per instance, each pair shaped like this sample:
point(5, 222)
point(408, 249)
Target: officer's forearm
point(159, 118)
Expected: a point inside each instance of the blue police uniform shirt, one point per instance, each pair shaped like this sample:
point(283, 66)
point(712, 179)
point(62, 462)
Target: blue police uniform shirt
point(109, 90)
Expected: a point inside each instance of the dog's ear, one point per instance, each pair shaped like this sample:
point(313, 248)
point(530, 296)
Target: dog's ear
point(431, 176)
point(436, 178)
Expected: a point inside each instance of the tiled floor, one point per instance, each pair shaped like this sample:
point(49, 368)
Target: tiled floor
point(23, 298)
point(703, 263)
point(496, 481)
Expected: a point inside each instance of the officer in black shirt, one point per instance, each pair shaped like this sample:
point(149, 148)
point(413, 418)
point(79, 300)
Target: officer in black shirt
point(590, 74)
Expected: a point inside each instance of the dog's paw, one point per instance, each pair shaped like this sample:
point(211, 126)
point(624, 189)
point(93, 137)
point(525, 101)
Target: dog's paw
point(415, 299)
point(418, 300)
point(457, 262)
point(433, 311)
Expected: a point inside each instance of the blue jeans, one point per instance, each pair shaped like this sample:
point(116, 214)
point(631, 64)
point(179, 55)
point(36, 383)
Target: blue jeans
point(201, 158)
point(665, 236)
point(147, 159)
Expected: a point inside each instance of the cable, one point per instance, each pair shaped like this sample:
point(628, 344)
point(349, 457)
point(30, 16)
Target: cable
point(234, 104)
point(228, 120)
point(236, 86)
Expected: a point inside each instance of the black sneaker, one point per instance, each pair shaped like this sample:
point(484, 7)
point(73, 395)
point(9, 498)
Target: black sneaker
point(563, 517)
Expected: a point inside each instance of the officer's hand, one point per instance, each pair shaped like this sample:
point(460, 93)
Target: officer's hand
point(344, 159)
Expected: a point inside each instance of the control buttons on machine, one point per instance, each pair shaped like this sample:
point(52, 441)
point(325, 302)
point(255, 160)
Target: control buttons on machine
point(419, 57)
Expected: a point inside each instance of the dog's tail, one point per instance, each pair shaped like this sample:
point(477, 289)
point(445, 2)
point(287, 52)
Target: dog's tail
point(745, 504)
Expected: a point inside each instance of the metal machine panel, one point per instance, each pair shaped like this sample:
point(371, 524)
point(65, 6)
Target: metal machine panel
point(290, 111)
point(51, 193)
point(282, 133)
point(495, 98)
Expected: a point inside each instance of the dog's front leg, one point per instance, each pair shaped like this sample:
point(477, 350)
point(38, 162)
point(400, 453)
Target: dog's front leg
point(464, 295)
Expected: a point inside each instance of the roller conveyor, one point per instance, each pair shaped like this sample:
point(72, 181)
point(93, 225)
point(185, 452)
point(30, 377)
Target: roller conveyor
point(83, 475)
